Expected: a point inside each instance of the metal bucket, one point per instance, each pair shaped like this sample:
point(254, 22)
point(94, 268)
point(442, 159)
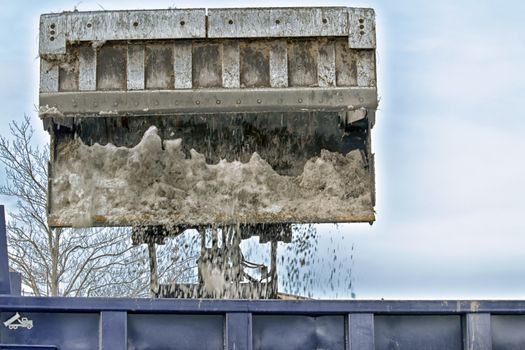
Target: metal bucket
point(262, 116)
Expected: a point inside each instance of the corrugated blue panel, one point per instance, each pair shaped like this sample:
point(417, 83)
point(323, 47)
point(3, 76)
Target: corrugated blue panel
point(175, 332)
point(418, 332)
point(508, 332)
point(298, 332)
point(67, 331)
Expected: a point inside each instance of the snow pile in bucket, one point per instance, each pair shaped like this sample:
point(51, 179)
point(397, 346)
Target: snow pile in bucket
point(155, 183)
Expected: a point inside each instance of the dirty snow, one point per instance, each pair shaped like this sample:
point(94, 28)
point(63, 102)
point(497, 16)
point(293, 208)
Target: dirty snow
point(49, 111)
point(155, 183)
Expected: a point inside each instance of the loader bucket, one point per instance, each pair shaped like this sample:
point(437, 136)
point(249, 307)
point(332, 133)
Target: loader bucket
point(187, 118)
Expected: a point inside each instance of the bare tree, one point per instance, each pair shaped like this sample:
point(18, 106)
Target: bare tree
point(61, 261)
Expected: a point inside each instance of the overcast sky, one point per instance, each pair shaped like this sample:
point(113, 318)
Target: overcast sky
point(449, 141)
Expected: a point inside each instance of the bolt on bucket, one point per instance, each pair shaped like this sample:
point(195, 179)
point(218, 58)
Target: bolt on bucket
point(262, 116)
